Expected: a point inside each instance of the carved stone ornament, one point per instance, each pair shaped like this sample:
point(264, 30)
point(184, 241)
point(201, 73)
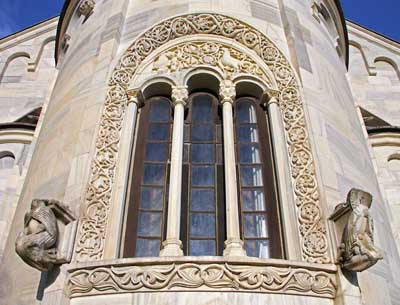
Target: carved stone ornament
point(86, 7)
point(357, 250)
point(190, 276)
point(193, 54)
point(37, 245)
point(93, 223)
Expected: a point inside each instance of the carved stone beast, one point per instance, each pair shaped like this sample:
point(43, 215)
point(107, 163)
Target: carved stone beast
point(357, 250)
point(37, 244)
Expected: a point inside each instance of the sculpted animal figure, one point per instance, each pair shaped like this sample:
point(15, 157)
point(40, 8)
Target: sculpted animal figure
point(357, 251)
point(36, 245)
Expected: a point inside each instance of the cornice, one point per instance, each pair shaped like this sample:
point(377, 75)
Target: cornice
point(28, 33)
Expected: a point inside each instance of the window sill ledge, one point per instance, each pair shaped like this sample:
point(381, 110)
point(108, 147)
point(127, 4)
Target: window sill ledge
point(206, 273)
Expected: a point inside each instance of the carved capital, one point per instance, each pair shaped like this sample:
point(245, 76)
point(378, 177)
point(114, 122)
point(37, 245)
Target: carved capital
point(86, 7)
point(179, 95)
point(270, 96)
point(227, 91)
point(135, 96)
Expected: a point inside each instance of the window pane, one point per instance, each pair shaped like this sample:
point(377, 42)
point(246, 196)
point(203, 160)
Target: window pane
point(202, 200)
point(186, 133)
point(158, 132)
point(149, 224)
point(255, 225)
point(202, 247)
point(220, 154)
point(249, 154)
point(251, 175)
point(257, 248)
point(253, 200)
point(151, 198)
point(219, 133)
point(202, 225)
point(246, 113)
point(156, 152)
point(203, 175)
point(153, 174)
point(202, 133)
point(202, 109)
point(147, 247)
point(186, 150)
point(247, 133)
point(160, 111)
point(203, 153)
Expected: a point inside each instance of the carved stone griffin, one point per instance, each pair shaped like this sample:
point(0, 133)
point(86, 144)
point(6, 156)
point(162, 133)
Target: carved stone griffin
point(357, 250)
point(37, 244)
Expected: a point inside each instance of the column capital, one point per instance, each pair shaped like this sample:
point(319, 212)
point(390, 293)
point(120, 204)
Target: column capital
point(135, 96)
point(227, 91)
point(270, 96)
point(180, 94)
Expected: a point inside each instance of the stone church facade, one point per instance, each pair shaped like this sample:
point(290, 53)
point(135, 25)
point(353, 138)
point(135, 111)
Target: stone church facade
point(199, 152)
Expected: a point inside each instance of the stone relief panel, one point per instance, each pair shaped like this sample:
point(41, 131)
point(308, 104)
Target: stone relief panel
point(193, 54)
point(93, 222)
point(219, 277)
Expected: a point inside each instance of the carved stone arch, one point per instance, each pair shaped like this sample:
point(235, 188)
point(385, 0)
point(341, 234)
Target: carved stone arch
point(10, 59)
point(311, 223)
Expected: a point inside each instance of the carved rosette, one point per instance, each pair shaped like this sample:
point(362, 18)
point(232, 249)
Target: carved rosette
point(312, 226)
point(210, 277)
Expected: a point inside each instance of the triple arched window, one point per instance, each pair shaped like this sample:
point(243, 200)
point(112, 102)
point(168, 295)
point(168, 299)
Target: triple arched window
point(203, 209)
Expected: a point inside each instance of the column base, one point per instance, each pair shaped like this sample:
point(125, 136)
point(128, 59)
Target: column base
point(234, 247)
point(171, 247)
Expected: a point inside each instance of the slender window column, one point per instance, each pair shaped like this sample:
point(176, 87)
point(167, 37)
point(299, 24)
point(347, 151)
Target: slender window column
point(234, 246)
point(287, 202)
point(172, 246)
point(135, 101)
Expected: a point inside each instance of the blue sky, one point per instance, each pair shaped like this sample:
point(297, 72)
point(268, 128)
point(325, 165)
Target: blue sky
point(16, 15)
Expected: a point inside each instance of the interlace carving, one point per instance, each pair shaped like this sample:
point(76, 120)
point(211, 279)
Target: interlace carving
point(187, 276)
point(312, 226)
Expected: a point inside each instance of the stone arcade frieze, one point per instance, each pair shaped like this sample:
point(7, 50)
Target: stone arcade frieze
point(92, 230)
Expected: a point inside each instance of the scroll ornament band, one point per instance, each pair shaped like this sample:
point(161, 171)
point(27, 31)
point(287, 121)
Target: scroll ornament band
point(93, 224)
point(209, 277)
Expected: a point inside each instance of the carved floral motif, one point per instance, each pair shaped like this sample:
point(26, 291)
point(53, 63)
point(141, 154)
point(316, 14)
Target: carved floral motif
point(312, 226)
point(217, 276)
point(229, 60)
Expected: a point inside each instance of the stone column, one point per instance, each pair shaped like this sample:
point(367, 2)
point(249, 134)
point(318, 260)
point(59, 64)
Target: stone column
point(172, 246)
point(234, 246)
point(287, 202)
point(126, 150)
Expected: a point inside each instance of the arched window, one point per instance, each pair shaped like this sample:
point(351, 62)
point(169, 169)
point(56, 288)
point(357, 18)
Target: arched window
point(149, 184)
point(7, 160)
point(203, 207)
point(259, 210)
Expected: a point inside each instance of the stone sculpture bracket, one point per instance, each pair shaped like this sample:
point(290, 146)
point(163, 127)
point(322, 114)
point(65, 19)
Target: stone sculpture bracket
point(357, 251)
point(48, 236)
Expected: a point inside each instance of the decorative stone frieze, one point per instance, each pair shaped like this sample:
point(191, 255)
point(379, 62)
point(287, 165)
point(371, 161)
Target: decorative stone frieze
point(201, 275)
point(311, 223)
point(357, 250)
point(40, 244)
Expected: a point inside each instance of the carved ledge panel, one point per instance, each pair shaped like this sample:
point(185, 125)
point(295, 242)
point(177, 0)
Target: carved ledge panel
point(311, 223)
point(208, 276)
